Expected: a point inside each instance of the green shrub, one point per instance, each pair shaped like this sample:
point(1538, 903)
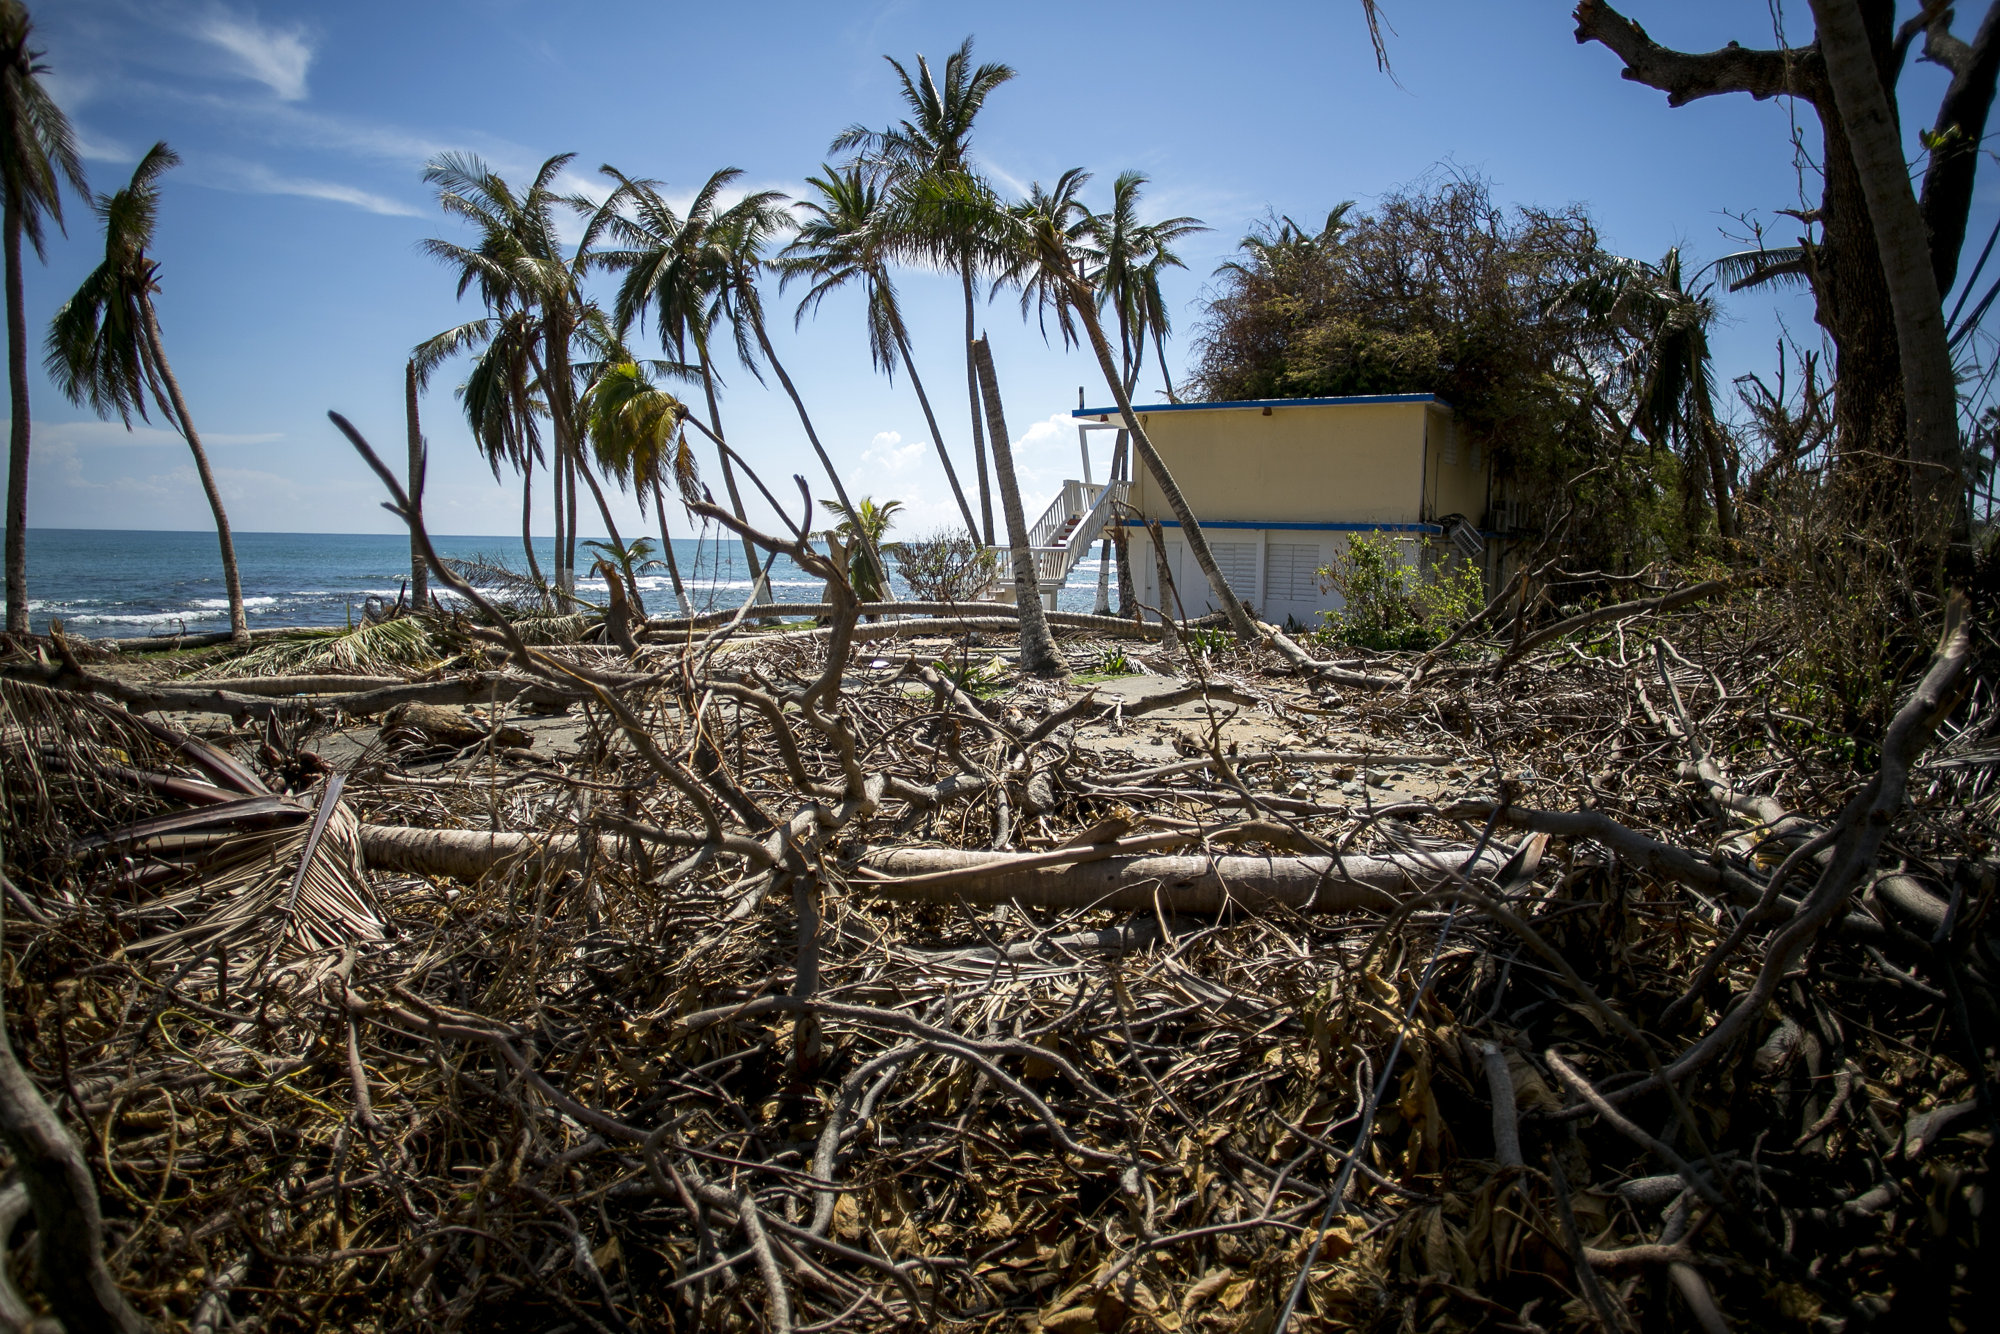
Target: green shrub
point(1391, 604)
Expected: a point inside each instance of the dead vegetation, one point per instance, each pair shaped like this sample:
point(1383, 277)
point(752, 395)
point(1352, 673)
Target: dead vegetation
point(812, 986)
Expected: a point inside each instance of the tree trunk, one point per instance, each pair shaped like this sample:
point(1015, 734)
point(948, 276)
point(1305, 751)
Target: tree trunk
point(1038, 649)
point(667, 548)
point(611, 527)
point(972, 392)
point(528, 528)
point(420, 591)
point(1930, 394)
point(569, 523)
point(79, 1287)
point(239, 624)
point(937, 437)
point(729, 476)
point(948, 875)
point(1225, 596)
point(556, 512)
point(17, 456)
point(871, 544)
point(1165, 374)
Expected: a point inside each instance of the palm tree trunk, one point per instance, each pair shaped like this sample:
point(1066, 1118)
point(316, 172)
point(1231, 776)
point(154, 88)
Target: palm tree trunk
point(569, 519)
point(868, 540)
point(556, 505)
point(528, 528)
point(1038, 648)
point(1112, 544)
point(937, 436)
point(420, 592)
point(729, 478)
point(1930, 396)
point(17, 456)
point(239, 624)
point(667, 547)
point(1225, 596)
point(972, 393)
point(1166, 375)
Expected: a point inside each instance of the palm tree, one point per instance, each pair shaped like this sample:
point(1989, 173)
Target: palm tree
point(1665, 324)
point(518, 264)
point(1128, 257)
point(502, 404)
point(1044, 240)
point(864, 524)
point(942, 199)
point(37, 154)
point(105, 349)
point(842, 239)
point(635, 432)
point(1038, 647)
point(752, 224)
point(681, 269)
point(630, 559)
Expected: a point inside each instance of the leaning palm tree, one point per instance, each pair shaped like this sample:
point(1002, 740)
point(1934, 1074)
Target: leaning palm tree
point(942, 200)
point(842, 238)
point(1127, 258)
point(37, 154)
point(751, 226)
point(1047, 260)
point(105, 349)
point(635, 432)
point(517, 263)
point(502, 404)
point(680, 270)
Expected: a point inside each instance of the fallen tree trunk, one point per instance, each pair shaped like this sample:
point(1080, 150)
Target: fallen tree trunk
point(933, 875)
point(260, 697)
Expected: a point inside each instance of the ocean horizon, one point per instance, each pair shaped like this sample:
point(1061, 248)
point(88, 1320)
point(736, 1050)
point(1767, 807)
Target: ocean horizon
point(120, 583)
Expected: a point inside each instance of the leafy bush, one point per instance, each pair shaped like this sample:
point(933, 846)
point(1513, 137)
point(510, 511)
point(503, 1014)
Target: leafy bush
point(946, 567)
point(1391, 604)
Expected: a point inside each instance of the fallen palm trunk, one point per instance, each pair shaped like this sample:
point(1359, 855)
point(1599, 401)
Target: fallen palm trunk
point(946, 875)
point(261, 697)
point(919, 610)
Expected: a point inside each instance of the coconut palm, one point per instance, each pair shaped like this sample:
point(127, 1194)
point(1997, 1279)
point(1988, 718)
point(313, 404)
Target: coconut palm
point(1047, 260)
point(751, 227)
point(501, 400)
point(1665, 324)
point(517, 263)
point(864, 524)
point(843, 238)
point(37, 154)
point(635, 432)
point(680, 270)
point(942, 201)
point(1128, 257)
point(105, 350)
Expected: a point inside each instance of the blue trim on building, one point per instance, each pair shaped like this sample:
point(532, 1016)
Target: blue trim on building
point(1431, 528)
point(1315, 527)
point(1356, 401)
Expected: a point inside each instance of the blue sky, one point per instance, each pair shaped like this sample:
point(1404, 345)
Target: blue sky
point(292, 282)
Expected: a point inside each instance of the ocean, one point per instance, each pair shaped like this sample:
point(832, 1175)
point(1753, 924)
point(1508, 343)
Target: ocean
point(111, 583)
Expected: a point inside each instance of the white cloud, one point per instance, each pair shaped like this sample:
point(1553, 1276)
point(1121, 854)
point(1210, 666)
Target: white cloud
point(69, 435)
point(275, 57)
point(95, 148)
point(887, 453)
point(257, 179)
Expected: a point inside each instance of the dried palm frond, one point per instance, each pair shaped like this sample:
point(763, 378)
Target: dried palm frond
point(545, 630)
point(387, 646)
point(238, 884)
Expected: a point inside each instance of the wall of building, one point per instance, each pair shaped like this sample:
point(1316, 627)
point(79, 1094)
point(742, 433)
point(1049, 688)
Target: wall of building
point(1353, 463)
point(1279, 495)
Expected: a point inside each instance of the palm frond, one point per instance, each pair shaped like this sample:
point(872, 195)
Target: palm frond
point(386, 647)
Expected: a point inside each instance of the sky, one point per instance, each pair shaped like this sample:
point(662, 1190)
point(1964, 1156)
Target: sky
point(292, 281)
